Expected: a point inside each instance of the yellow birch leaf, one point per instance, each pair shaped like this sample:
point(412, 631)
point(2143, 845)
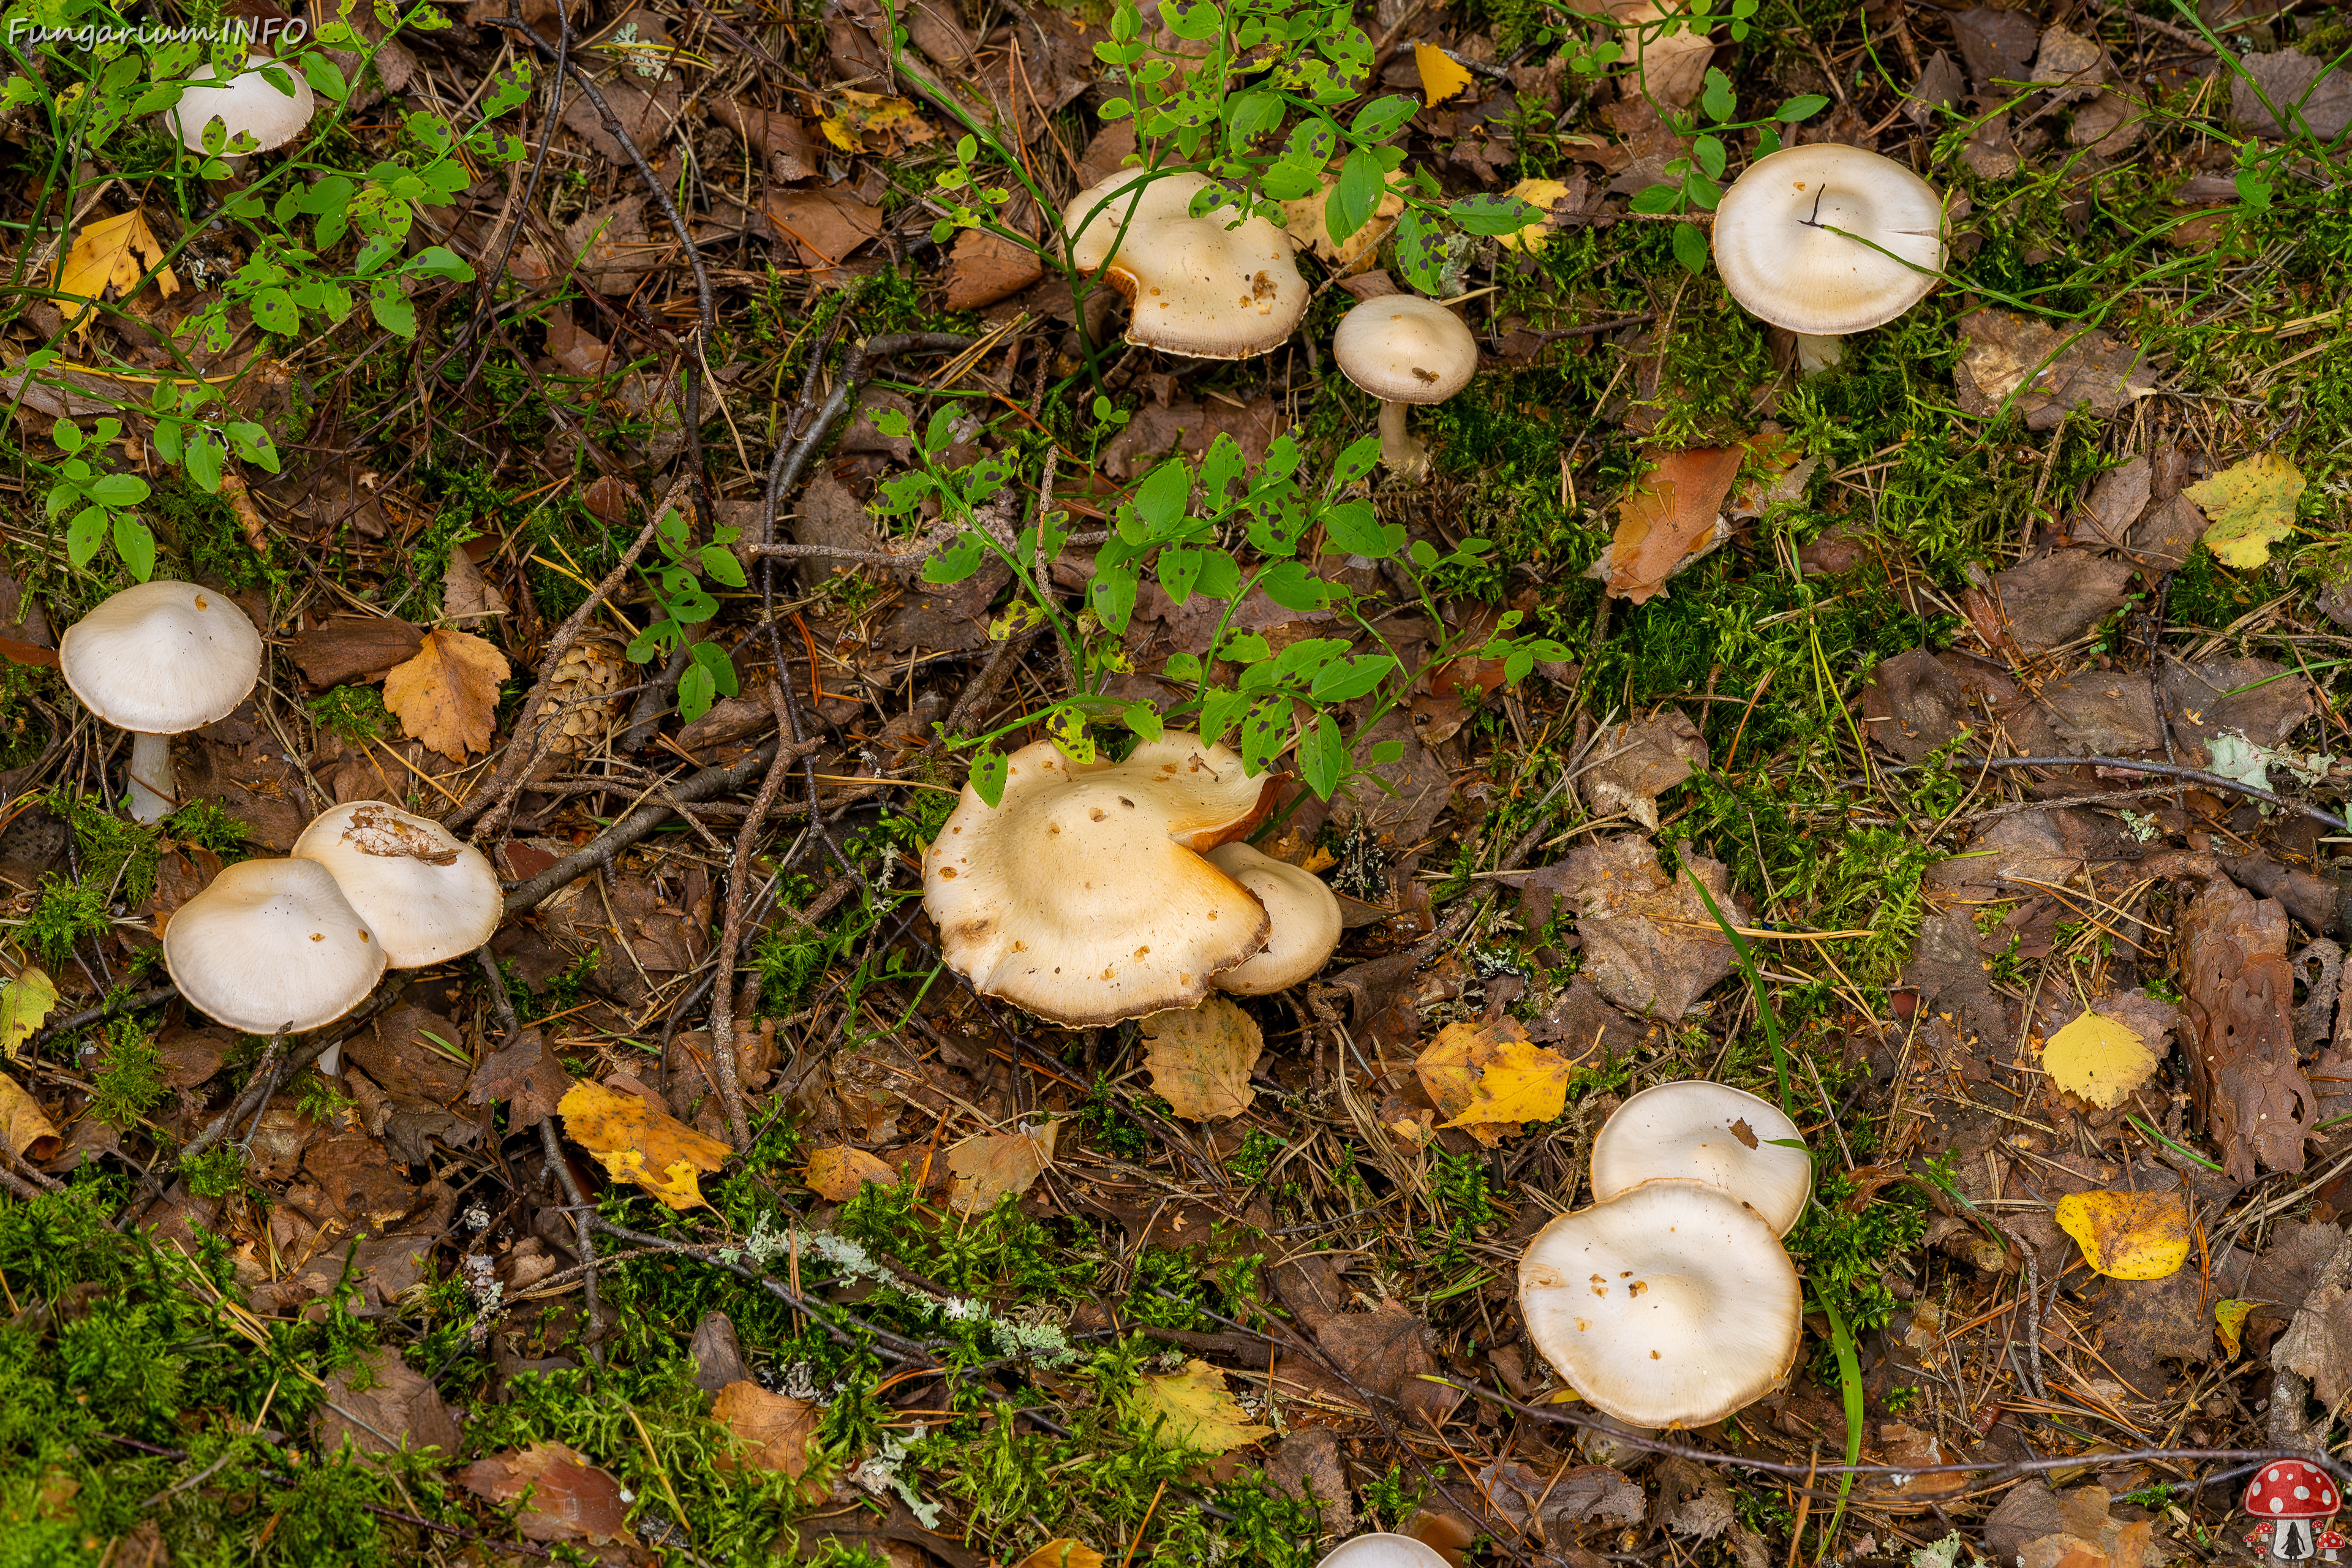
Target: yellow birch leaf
point(113, 253)
point(2230, 1315)
point(996, 1166)
point(1062, 1553)
point(837, 131)
point(838, 1173)
point(447, 696)
point(2098, 1058)
point(1201, 1058)
point(1483, 1076)
point(2127, 1236)
point(637, 1143)
point(1440, 78)
point(1201, 1411)
point(1539, 194)
point(24, 1006)
point(24, 1125)
point(2250, 504)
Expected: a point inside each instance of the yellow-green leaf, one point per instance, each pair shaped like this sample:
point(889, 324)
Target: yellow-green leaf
point(2230, 1315)
point(2127, 1236)
point(2251, 505)
point(1440, 78)
point(2099, 1058)
point(1486, 1078)
point(1539, 194)
point(24, 1006)
point(1200, 1411)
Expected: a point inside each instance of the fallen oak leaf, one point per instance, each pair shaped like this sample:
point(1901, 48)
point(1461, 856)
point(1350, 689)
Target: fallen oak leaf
point(2127, 1236)
point(993, 1166)
point(638, 1143)
point(569, 1498)
point(1199, 1411)
point(2251, 505)
point(1200, 1059)
point(113, 253)
point(447, 696)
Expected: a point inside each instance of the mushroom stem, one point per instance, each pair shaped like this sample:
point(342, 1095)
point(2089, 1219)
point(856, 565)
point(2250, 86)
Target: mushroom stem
point(1399, 449)
point(1816, 354)
point(154, 791)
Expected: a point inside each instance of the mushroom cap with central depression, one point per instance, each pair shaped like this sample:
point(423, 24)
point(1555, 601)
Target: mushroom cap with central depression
point(1709, 1132)
point(1673, 1305)
point(1193, 285)
point(1083, 896)
point(162, 657)
point(428, 894)
point(272, 944)
point(1777, 246)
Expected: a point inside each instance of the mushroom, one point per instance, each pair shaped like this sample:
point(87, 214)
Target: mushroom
point(2290, 1496)
point(1384, 1550)
point(1671, 1305)
point(1306, 919)
point(1778, 247)
point(249, 104)
point(428, 894)
point(158, 659)
point(1082, 894)
point(1403, 350)
point(1708, 1132)
point(1207, 286)
point(270, 945)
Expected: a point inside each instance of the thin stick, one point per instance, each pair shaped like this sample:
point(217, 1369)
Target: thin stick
point(730, 935)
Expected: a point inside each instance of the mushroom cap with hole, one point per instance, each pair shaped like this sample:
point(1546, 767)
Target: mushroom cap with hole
point(1082, 895)
point(428, 894)
point(1193, 285)
point(1775, 246)
point(1709, 1132)
point(1383, 1551)
point(250, 103)
point(271, 944)
point(1401, 348)
point(162, 657)
point(1671, 1305)
point(1305, 916)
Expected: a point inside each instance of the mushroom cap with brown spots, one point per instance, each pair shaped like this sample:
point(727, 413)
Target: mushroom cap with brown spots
point(1401, 348)
point(272, 944)
point(1082, 895)
point(1205, 287)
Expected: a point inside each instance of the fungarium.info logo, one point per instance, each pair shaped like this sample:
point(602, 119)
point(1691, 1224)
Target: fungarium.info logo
point(266, 33)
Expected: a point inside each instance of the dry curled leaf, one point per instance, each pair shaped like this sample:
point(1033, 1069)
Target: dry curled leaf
point(113, 253)
point(1670, 517)
point(2127, 1235)
point(1200, 1059)
point(25, 1127)
point(2100, 1058)
point(1200, 1410)
point(2251, 505)
point(1490, 1078)
point(637, 1143)
point(569, 1498)
point(996, 1166)
point(838, 1173)
point(447, 696)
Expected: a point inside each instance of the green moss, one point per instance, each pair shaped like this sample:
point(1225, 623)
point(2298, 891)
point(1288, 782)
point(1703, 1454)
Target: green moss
point(356, 714)
point(69, 913)
point(128, 1079)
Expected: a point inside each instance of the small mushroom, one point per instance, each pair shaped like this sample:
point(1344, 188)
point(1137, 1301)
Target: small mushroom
point(1206, 287)
point(272, 944)
point(1403, 350)
point(2290, 1497)
point(428, 894)
point(159, 659)
point(1708, 1132)
point(1305, 916)
point(1671, 1305)
point(248, 104)
point(1384, 1550)
point(1083, 895)
point(1779, 245)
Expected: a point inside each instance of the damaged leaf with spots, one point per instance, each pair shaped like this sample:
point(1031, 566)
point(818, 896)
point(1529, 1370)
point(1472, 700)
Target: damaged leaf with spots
point(1201, 1057)
point(1489, 1078)
point(2127, 1235)
point(639, 1144)
point(2251, 507)
point(1199, 1410)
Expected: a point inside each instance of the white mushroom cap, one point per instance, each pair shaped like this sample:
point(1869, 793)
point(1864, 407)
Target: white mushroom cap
point(1082, 897)
point(162, 657)
point(1401, 348)
point(250, 104)
point(428, 894)
point(1671, 1305)
point(1383, 1551)
point(1708, 1132)
point(1193, 285)
point(1774, 247)
point(1306, 921)
point(272, 944)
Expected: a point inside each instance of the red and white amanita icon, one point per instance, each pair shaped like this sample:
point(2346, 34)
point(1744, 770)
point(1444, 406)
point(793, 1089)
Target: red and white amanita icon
point(2291, 1498)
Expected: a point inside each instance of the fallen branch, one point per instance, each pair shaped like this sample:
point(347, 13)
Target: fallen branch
point(2166, 770)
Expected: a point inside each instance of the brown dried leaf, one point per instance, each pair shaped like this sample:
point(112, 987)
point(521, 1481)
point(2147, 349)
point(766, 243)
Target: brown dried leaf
point(1639, 761)
point(2298, 86)
point(570, 1498)
point(1671, 517)
point(2243, 1073)
point(397, 1409)
point(839, 1173)
point(467, 598)
point(775, 1428)
point(1200, 1059)
point(825, 225)
point(354, 647)
point(994, 1165)
point(639, 1143)
point(26, 1129)
point(2318, 1344)
point(1649, 943)
point(986, 267)
point(2050, 371)
point(447, 696)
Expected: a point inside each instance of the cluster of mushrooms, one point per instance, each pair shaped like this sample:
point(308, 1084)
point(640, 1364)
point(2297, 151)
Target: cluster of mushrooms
point(270, 945)
point(1823, 240)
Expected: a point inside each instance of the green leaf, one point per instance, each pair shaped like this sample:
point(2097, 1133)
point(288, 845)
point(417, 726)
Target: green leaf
point(1356, 461)
point(1160, 500)
point(957, 561)
point(119, 490)
point(392, 310)
point(1110, 594)
point(1264, 733)
point(1657, 199)
point(1343, 680)
point(24, 1005)
point(1802, 107)
point(1492, 214)
point(1221, 574)
point(1290, 585)
point(695, 692)
point(1323, 756)
point(439, 261)
point(67, 435)
point(722, 566)
point(1690, 247)
point(1179, 570)
point(1243, 647)
point(135, 544)
point(1711, 154)
point(988, 772)
point(1420, 252)
point(1219, 710)
point(325, 76)
point(1355, 529)
point(1144, 720)
point(1181, 666)
point(1382, 118)
point(274, 311)
point(85, 534)
point(1357, 195)
point(203, 460)
point(1720, 101)
point(252, 443)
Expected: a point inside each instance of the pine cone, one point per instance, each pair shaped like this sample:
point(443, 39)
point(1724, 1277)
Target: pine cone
point(579, 705)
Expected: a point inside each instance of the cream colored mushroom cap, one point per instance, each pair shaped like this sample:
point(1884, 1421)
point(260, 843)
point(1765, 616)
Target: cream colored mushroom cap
point(162, 657)
point(250, 104)
point(1708, 1132)
point(272, 943)
point(1305, 916)
point(1774, 247)
point(1401, 348)
point(1671, 1305)
point(1192, 285)
point(428, 894)
point(1383, 1551)
point(1081, 896)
